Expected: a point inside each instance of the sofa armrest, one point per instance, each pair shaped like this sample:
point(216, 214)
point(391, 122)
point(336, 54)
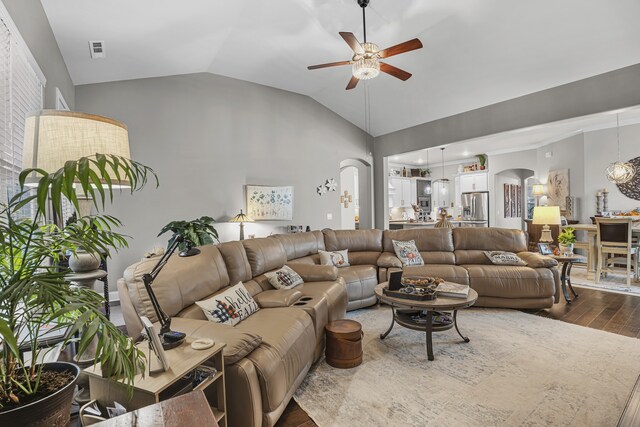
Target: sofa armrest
point(535, 260)
point(314, 272)
point(389, 260)
point(277, 298)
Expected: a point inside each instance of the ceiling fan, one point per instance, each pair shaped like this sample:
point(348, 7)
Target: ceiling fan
point(365, 63)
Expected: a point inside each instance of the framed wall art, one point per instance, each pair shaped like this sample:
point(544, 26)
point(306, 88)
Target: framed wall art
point(558, 188)
point(269, 203)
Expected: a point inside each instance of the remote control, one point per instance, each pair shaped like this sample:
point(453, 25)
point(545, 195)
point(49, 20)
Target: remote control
point(173, 336)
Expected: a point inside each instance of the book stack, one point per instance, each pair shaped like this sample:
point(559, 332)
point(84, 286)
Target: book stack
point(452, 290)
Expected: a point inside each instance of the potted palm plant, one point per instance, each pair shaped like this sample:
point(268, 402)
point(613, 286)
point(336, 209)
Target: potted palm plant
point(566, 239)
point(35, 298)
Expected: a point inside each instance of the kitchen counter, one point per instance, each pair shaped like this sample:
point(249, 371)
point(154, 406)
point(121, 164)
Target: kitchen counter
point(399, 225)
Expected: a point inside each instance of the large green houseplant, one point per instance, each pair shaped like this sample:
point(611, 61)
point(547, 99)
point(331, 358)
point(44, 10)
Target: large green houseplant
point(199, 231)
point(33, 290)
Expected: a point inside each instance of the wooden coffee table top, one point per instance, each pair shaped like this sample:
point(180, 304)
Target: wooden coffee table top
point(440, 303)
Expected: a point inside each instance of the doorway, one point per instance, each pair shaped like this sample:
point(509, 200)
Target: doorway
point(356, 178)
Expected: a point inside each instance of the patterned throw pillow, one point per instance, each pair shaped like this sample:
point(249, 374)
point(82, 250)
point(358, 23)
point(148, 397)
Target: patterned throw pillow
point(284, 278)
point(229, 307)
point(407, 252)
point(337, 258)
point(504, 258)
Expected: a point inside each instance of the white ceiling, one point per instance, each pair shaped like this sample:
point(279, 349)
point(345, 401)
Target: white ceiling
point(476, 52)
point(518, 140)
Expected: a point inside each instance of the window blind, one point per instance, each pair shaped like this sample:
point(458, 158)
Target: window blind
point(20, 94)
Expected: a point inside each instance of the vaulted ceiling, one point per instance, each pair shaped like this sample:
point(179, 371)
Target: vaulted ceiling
point(476, 52)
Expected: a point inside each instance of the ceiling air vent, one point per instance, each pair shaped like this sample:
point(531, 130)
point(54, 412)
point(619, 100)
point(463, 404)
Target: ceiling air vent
point(97, 49)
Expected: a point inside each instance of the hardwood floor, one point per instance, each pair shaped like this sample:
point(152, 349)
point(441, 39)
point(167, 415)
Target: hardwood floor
point(616, 313)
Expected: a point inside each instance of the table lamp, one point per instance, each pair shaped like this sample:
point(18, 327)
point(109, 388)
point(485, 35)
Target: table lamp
point(546, 215)
point(241, 218)
point(170, 339)
point(538, 191)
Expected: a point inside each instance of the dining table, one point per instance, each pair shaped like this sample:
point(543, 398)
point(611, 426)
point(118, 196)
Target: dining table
point(591, 245)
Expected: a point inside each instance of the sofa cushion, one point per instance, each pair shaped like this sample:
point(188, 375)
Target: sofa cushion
point(354, 240)
point(235, 258)
point(298, 245)
point(407, 252)
point(536, 260)
point(284, 278)
point(450, 273)
point(361, 281)
point(183, 281)
point(238, 342)
point(338, 259)
point(388, 260)
point(313, 272)
point(288, 344)
point(511, 282)
point(229, 307)
point(264, 254)
point(364, 258)
point(435, 244)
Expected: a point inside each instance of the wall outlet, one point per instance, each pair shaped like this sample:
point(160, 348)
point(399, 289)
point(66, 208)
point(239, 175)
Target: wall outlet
point(548, 154)
point(329, 216)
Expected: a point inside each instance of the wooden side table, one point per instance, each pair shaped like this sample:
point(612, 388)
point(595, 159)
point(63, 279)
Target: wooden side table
point(565, 275)
point(157, 387)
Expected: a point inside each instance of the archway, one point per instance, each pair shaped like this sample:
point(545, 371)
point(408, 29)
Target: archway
point(505, 216)
point(357, 173)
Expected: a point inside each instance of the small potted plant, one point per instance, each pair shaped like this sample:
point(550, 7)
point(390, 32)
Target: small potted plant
point(425, 172)
point(566, 239)
point(198, 231)
point(482, 159)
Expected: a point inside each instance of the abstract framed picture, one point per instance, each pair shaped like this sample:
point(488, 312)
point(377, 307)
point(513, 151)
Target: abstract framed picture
point(558, 188)
point(269, 203)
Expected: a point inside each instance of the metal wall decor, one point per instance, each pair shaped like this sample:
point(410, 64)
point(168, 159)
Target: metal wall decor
point(512, 200)
point(631, 189)
point(346, 198)
point(329, 185)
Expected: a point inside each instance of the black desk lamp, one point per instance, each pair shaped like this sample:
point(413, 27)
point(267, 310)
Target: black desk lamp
point(170, 339)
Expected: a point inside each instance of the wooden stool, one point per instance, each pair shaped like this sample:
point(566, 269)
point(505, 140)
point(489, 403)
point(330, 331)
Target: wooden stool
point(344, 344)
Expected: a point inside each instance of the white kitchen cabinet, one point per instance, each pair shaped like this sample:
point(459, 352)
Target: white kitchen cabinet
point(403, 193)
point(470, 182)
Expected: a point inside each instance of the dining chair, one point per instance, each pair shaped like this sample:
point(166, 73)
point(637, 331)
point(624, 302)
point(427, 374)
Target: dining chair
point(614, 237)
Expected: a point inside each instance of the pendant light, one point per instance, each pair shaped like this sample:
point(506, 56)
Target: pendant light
point(444, 182)
point(620, 172)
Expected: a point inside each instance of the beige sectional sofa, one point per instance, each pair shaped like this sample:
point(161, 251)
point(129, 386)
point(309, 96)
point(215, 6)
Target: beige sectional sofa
point(269, 353)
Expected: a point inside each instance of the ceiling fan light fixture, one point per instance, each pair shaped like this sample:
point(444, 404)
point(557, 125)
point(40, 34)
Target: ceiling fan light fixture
point(366, 68)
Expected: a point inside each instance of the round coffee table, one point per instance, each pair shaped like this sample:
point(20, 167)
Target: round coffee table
point(418, 315)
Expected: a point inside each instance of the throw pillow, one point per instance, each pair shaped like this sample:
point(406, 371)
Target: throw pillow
point(407, 252)
point(504, 258)
point(284, 278)
point(229, 307)
point(338, 258)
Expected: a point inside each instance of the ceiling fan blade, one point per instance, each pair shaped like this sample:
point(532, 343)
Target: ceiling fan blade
point(394, 71)
point(330, 64)
point(400, 48)
point(353, 42)
point(353, 82)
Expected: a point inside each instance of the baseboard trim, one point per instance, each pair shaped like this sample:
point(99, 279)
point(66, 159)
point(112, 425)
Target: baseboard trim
point(114, 299)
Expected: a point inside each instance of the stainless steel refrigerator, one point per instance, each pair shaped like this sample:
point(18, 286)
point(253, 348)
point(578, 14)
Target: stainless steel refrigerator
point(475, 207)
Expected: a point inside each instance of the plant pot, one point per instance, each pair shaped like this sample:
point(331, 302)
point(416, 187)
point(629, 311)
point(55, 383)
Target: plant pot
point(51, 411)
point(84, 261)
point(566, 249)
point(482, 167)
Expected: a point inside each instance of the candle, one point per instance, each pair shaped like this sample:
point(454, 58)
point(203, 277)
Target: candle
point(598, 194)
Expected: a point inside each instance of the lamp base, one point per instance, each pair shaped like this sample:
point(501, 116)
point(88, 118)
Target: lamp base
point(172, 339)
point(545, 236)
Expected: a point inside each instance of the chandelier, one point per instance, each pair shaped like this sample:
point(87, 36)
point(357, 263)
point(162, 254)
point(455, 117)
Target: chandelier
point(620, 172)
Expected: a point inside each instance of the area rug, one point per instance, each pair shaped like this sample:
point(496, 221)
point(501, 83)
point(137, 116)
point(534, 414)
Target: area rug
point(518, 370)
point(612, 282)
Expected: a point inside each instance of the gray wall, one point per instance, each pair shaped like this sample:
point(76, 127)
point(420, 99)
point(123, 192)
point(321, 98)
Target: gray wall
point(32, 22)
point(605, 92)
point(207, 136)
